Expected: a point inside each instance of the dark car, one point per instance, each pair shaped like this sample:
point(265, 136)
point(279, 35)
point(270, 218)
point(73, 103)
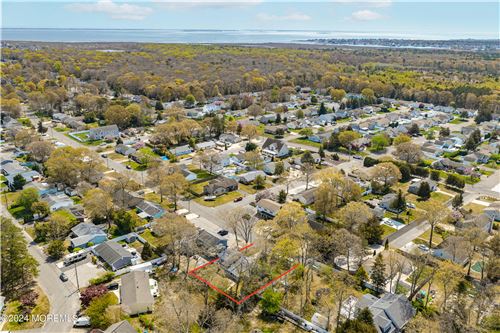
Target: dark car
point(63, 277)
point(113, 286)
point(238, 199)
point(223, 232)
point(104, 155)
point(128, 167)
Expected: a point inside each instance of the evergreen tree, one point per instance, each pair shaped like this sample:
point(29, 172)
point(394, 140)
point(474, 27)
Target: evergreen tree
point(278, 118)
point(378, 273)
point(372, 231)
point(19, 268)
point(282, 197)
point(322, 109)
point(400, 203)
point(40, 128)
point(457, 200)
point(307, 158)
point(424, 191)
point(279, 168)
point(158, 106)
point(435, 175)
point(405, 170)
point(147, 251)
point(18, 182)
point(414, 130)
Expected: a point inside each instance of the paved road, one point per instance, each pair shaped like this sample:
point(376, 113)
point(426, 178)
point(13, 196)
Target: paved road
point(63, 298)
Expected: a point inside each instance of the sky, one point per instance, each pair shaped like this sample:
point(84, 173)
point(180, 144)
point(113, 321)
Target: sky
point(458, 19)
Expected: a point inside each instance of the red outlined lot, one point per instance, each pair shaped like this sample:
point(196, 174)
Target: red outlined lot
point(192, 273)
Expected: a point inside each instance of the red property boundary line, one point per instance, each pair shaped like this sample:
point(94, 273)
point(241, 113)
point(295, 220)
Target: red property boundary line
point(192, 273)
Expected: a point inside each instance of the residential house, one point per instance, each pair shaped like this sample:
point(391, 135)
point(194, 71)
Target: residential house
point(235, 264)
point(148, 209)
point(124, 150)
point(275, 148)
point(268, 118)
point(430, 150)
point(205, 145)
point(493, 211)
point(120, 327)
point(476, 157)
point(268, 208)
point(387, 202)
point(220, 186)
point(135, 293)
point(416, 183)
point(276, 129)
point(100, 133)
point(305, 197)
point(85, 233)
point(114, 255)
point(181, 150)
point(328, 118)
point(12, 167)
point(449, 165)
point(29, 176)
point(58, 201)
point(390, 313)
point(270, 167)
point(189, 175)
point(319, 137)
point(211, 241)
point(482, 221)
point(248, 177)
point(229, 138)
point(467, 130)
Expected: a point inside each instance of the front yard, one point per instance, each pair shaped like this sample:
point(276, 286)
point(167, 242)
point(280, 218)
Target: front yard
point(220, 200)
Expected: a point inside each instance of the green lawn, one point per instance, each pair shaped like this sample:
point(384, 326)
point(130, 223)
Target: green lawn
point(150, 238)
point(250, 189)
point(225, 198)
point(85, 142)
point(135, 166)
point(436, 238)
point(387, 230)
point(197, 188)
point(307, 142)
point(476, 208)
point(200, 174)
point(458, 121)
point(155, 197)
point(116, 156)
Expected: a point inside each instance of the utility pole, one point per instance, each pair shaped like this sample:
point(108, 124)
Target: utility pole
point(77, 282)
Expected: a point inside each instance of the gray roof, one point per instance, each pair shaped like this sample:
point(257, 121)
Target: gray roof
point(135, 289)
point(269, 142)
point(390, 313)
point(150, 208)
point(121, 327)
point(269, 205)
point(84, 229)
point(111, 252)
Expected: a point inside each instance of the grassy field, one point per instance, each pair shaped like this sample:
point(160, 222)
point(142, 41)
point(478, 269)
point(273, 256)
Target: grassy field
point(424, 238)
point(14, 307)
point(150, 238)
point(476, 208)
point(135, 166)
point(387, 230)
point(306, 142)
point(197, 188)
point(225, 198)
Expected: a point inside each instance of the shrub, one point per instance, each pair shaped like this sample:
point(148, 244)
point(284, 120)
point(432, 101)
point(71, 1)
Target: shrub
point(91, 293)
point(105, 278)
point(28, 300)
point(369, 161)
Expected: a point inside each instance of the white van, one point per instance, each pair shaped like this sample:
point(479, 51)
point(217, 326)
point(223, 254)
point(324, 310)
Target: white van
point(74, 257)
point(82, 322)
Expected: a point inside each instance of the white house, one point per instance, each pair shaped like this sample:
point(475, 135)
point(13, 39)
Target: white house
point(275, 148)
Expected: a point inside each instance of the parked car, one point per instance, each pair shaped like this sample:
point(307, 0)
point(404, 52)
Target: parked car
point(238, 199)
point(104, 155)
point(82, 322)
point(128, 167)
point(410, 205)
point(63, 277)
point(358, 157)
point(223, 232)
point(423, 247)
point(113, 286)
point(210, 198)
